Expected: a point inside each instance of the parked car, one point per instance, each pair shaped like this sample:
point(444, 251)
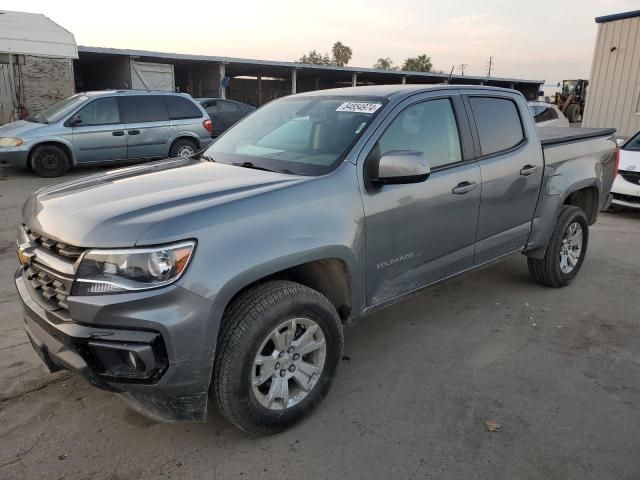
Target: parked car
point(548, 115)
point(104, 127)
point(626, 188)
point(233, 274)
point(224, 113)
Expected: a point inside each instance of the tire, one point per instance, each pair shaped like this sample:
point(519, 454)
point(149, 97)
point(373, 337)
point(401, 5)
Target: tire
point(246, 336)
point(572, 113)
point(183, 148)
point(550, 270)
point(49, 161)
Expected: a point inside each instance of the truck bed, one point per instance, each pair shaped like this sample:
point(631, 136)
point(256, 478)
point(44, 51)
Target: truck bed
point(550, 136)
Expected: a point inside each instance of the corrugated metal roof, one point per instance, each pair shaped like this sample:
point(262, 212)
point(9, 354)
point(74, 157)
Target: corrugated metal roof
point(302, 66)
point(34, 34)
point(618, 16)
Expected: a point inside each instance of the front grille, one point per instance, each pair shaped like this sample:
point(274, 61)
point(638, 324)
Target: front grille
point(632, 177)
point(49, 286)
point(626, 198)
point(59, 248)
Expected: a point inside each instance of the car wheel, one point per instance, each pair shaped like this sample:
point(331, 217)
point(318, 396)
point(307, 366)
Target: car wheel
point(183, 148)
point(278, 350)
point(49, 161)
point(565, 252)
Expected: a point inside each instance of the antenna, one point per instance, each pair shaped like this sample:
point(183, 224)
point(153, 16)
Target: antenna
point(451, 73)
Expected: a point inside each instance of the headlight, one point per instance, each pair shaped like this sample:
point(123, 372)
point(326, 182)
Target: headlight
point(132, 269)
point(10, 142)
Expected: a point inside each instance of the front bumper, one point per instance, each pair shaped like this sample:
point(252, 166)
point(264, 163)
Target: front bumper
point(625, 193)
point(170, 330)
point(14, 156)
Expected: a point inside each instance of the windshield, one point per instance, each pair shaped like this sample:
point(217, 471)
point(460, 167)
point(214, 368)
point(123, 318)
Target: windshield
point(633, 143)
point(60, 110)
point(298, 135)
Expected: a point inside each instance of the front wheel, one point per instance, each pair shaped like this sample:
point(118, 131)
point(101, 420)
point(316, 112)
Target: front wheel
point(277, 355)
point(49, 161)
point(565, 252)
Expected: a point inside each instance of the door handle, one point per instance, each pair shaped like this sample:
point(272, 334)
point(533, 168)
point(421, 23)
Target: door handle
point(464, 187)
point(118, 133)
point(528, 170)
point(133, 132)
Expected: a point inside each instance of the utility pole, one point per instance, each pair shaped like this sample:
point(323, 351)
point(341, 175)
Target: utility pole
point(462, 67)
point(490, 63)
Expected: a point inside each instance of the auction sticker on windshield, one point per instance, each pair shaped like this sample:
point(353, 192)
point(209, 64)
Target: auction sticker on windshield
point(359, 107)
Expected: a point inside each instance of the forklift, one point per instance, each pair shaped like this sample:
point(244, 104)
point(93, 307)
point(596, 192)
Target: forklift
point(571, 99)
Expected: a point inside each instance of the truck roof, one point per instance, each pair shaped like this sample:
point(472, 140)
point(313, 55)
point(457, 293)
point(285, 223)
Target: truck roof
point(388, 91)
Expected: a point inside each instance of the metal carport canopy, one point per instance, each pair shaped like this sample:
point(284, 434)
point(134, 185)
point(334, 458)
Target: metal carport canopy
point(251, 67)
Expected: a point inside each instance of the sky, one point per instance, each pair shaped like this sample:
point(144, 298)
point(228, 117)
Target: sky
point(543, 39)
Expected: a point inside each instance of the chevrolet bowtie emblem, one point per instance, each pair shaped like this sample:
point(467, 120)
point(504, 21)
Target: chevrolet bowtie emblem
point(26, 252)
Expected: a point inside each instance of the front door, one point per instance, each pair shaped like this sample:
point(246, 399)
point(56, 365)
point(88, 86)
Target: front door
point(100, 134)
point(511, 166)
point(417, 234)
point(147, 126)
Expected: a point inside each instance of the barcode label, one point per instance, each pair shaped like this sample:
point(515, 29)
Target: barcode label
point(359, 107)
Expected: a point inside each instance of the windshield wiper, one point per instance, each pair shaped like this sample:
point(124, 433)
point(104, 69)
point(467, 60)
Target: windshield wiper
point(207, 158)
point(252, 165)
point(33, 120)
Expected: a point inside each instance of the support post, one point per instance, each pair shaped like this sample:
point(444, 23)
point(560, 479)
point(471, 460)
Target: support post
point(12, 84)
point(222, 74)
point(259, 90)
point(316, 85)
point(403, 80)
point(294, 81)
point(354, 79)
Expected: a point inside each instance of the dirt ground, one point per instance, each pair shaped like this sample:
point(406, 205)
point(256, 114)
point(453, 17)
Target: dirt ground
point(557, 369)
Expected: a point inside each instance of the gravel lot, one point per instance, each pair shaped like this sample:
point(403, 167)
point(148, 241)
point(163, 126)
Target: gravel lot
point(559, 370)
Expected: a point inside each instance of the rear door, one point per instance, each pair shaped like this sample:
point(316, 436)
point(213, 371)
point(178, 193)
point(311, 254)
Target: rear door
point(511, 166)
point(419, 233)
point(100, 135)
point(147, 126)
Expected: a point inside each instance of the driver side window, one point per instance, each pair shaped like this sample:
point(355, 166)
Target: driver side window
point(429, 127)
point(103, 111)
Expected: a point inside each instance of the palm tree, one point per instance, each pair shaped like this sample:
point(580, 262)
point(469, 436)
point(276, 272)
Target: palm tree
point(384, 64)
point(341, 54)
point(421, 63)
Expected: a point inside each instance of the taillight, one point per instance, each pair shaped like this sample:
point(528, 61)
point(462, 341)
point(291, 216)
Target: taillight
point(616, 162)
point(208, 125)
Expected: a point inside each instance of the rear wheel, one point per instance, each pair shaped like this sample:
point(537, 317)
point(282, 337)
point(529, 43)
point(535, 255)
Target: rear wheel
point(278, 351)
point(565, 252)
point(49, 161)
point(183, 148)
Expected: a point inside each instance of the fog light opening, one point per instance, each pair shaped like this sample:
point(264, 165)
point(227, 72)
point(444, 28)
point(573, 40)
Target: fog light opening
point(135, 361)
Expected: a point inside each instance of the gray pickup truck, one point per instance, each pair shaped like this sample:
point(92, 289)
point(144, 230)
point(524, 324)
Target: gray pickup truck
point(233, 273)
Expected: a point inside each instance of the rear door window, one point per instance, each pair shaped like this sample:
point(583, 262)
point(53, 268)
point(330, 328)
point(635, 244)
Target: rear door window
point(144, 108)
point(180, 108)
point(224, 106)
point(498, 123)
point(102, 111)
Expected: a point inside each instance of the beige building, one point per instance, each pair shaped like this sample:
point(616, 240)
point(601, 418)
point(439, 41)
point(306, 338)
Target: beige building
point(613, 97)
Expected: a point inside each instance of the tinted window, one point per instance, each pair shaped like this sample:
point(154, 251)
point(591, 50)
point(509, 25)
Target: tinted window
point(543, 113)
point(180, 107)
point(498, 123)
point(227, 106)
point(428, 127)
point(144, 108)
point(103, 111)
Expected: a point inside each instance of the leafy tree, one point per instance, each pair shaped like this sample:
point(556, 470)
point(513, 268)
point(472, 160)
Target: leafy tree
point(385, 64)
point(316, 58)
point(341, 54)
point(421, 63)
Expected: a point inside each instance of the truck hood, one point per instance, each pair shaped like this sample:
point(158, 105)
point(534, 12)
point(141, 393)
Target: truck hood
point(115, 208)
point(21, 129)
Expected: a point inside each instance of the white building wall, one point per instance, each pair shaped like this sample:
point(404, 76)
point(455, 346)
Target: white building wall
point(613, 96)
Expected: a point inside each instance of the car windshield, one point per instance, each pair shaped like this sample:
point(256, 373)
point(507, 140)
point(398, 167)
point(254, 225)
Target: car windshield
point(298, 135)
point(633, 143)
point(60, 110)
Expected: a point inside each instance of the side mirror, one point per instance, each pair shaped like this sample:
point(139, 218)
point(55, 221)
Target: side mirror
point(402, 166)
point(75, 120)
point(620, 141)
